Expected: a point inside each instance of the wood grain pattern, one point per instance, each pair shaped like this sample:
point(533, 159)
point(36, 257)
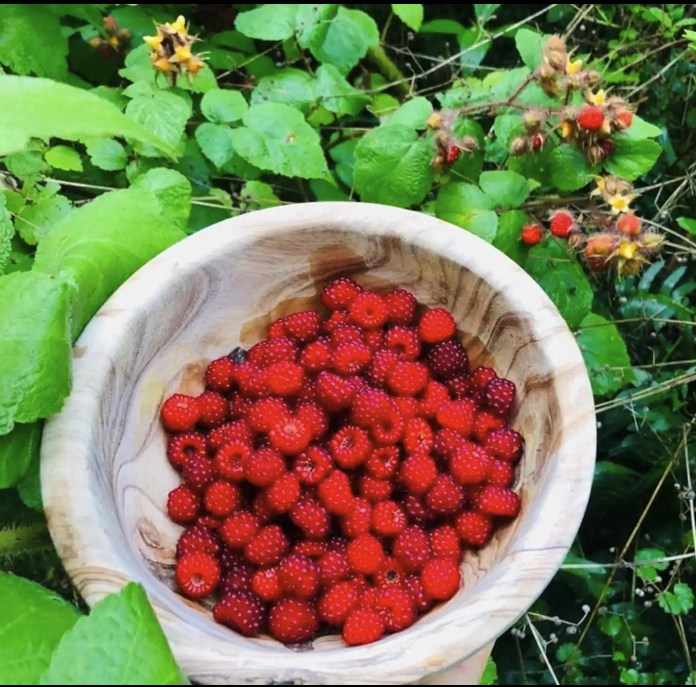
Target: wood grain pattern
point(105, 476)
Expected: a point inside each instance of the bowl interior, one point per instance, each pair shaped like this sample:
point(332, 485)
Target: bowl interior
point(187, 308)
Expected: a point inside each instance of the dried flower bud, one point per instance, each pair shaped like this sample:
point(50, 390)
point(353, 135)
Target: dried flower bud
point(533, 119)
point(519, 145)
point(434, 121)
point(468, 144)
point(555, 54)
point(651, 242)
point(595, 154)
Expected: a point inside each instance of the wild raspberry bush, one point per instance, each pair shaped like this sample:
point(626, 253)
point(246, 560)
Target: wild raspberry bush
point(573, 155)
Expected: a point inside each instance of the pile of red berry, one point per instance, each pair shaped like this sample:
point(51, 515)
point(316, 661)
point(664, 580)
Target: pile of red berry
point(334, 474)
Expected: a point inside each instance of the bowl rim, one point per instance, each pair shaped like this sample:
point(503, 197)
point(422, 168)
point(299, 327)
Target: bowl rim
point(402, 657)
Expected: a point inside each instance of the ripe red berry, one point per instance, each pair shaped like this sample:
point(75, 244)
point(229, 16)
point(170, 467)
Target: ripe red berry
point(484, 424)
point(284, 378)
point(505, 444)
point(229, 460)
point(451, 154)
point(440, 578)
point(407, 378)
point(284, 493)
point(214, 408)
point(365, 554)
point(265, 583)
point(292, 620)
point(418, 472)
point(401, 306)
point(239, 529)
point(335, 493)
point(350, 447)
point(531, 234)
point(388, 519)
point(359, 520)
point(340, 293)
point(230, 431)
point(299, 576)
point(180, 413)
point(198, 472)
point(219, 376)
point(221, 498)
point(382, 363)
point(267, 412)
point(334, 392)
point(561, 223)
point(382, 462)
point(436, 324)
point(433, 397)
point(338, 601)
point(312, 465)
point(350, 357)
point(418, 436)
point(474, 528)
point(481, 376)
point(333, 567)
point(197, 574)
point(264, 467)
point(311, 517)
point(290, 436)
point(470, 464)
point(368, 310)
point(303, 326)
point(413, 585)
point(447, 358)
point(445, 497)
point(457, 415)
point(497, 501)
point(404, 342)
point(197, 538)
point(590, 118)
point(412, 548)
point(242, 611)
point(499, 396)
point(448, 442)
point(267, 547)
point(444, 542)
point(396, 607)
point(629, 224)
point(316, 356)
point(501, 473)
point(624, 119)
point(181, 446)
point(270, 351)
point(362, 626)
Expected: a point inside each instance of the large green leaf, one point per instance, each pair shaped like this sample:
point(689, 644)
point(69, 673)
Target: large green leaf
point(570, 170)
point(6, 233)
point(107, 154)
point(17, 450)
point(506, 189)
point(98, 246)
point(277, 138)
point(268, 22)
point(290, 86)
point(38, 216)
point(43, 109)
point(411, 15)
point(33, 621)
point(172, 189)
point(468, 207)
point(632, 157)
point(529, 45)
point(507, 237)
point(119, 642)
point(336, 94)
point(413, 113)
point(223, 106)
point(215, 141)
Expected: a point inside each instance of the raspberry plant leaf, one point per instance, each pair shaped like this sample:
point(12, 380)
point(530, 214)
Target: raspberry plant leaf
point(506, 189)
point(632, 157)
point(138, 652)
point(413, 113)
point(411, 15)
point(7, 231)
point(172, 189)
point(336, 94)
point(569, 168)
point(529, 45)
point(468, 207)
point(63, 157)
point(215, 141)
point(107, 154)
point(223, 106)
point(268, 22)
point(290, 86)
point(17, 450)
point(44, 207)
point(34, 620)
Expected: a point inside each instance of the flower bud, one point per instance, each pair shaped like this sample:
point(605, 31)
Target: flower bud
point(519, 146)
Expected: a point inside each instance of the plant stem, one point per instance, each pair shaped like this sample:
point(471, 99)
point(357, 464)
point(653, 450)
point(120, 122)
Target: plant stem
point(387, 68)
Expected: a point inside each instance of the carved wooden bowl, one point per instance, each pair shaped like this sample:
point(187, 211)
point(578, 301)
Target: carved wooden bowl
point(105, 476)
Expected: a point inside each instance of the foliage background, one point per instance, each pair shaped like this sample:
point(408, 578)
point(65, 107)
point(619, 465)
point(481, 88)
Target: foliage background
point(86, 176)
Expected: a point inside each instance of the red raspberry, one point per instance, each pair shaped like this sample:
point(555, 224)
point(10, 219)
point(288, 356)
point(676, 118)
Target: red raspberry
point(414, 587)
point(276, 329)
point(239, 405)
point(484, 424)
point(416, 510)
point(396, 607)
point(457, 415)
point(308, 392)
point(346, 334)
point(433, 397)
point(338, 601)
point(214, 408)
point(284, 378)
point(358, 521)
point(266, 584)
point(418, 472)
point(314, 416)
point(291, 621)
point(375, 490)
point(237, 578)
point(338, 318)
point(562, 223)
point(311, 548)
point(624, 119)
point(221, 498)
point(591, 118)
point(407, 378)
point(284, 493)
point(312, 466)
point(290, 436)
point(209, 522)
point(198, 472)
point(412, 548)
point(388, 519)
point(408, 406)
point(500, 396)
point(197, 538)
point(264, 467)
point(261, 509)
point(365, 554)
point(298, 576)
point(470, 464)
point(435, 325)
point(474, 529)
point(340, 293)
point(303, 326)
point(180, 413)
point(404, 342)
point(229, 460)
point(350, 357)
point(267, 547)
point(350, 447)
point(265, 413)
point(481, 376)
point(505, 444)
point(440, 578)
point(401, 306)
point(270, 351)
point(241, 611)
point(239, 529)
point(197, 574)
point(628, 224)
point(531, 234)
point(333, 567)
point(232, 563)
point(383, 462)
point(459, 386)
point(368, 310)
point(311, 517)
point(219, 376)
point(251, 379)
point(497, 501)
point(181, 446)
point(418, 436)
point(374, 339)
point(334, 392)
point(382, 363)
point(335, 493)
point(445, 496)
point(388, 426)
point(448, 442)
point(447, 359)
point(367, 406)
point(501, 473)
point(444, 542)
point(230, 431)
point(362, 626)
point(316, 356)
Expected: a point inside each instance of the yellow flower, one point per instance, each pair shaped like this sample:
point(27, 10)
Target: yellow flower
point(567, 128)
point(162, 65)
point(153, 42)
point(601, 185)
point(179, 26)
point(182, 53)
point(619, 203)
point(599, 98)
point(573, 67)
point(627, 250)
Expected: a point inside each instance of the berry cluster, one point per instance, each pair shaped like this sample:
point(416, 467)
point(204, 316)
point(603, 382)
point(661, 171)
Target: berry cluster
point(334, 474)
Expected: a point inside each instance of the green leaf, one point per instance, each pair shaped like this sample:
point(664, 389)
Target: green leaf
point(32, 41)
point(34, 347)
point(96, 247)
point(107, 154)
point(484, 12)
point(560, 275)
point(34, 620)
point(29, 487)
point(223, 106)
point(327, 190)
point(611, 625)
point(570, 170)
point(641, 129)
point(344, 40)
point(7, 231)
point(336, 94)
point(688, 224)
point(506, 189)
point(632, 157)
point(605, 355)
point(258, 194)
point(383, 105)
point(17, 449)
point(45, 109)
point(277, 138)
point(472, 56)
point(648, 570)
point(64, 157)
point(393, 166)
point(290, 86)
point(215, 141)
point(138, 652)
point(173, 190)
point(507, 237)
point(468, 207)
point(411, 15)
point(413, 113)
point(490, 672)
point(468, 165)
point(268, 22)
point(162, 112)
point(677, 602)
point(39, 216)
point(343, 154)
point(529, 45)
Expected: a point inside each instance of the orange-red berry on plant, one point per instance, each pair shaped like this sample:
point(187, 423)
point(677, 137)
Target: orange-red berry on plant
point(531, 234)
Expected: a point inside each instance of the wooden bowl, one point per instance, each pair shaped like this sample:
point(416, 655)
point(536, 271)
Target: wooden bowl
point(105, 476)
